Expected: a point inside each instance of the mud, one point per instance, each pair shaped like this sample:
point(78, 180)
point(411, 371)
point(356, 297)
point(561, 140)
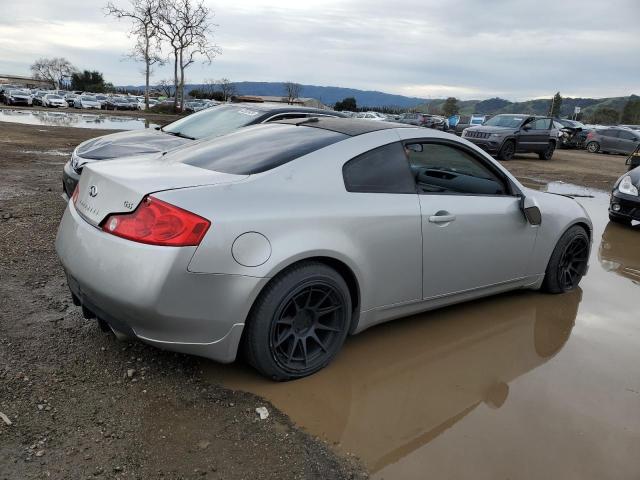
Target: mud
point(524, 385)
point(76, 120)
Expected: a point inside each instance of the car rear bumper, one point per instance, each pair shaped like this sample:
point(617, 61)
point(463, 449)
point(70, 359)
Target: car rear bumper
point(629, 206)
point(145, 291)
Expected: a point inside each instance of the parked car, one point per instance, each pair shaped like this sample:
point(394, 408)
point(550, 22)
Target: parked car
point(53, 100)
point(612, 140)
point(210, 122)
point(287, 235)
point(506, 134)
point(70, 98)
point(102, 100)
point(37, 98)
point(118, 103)
point(436, 121)
point(377, 116)
point(571, 133)
point(18, 97)
point(412, 118)
point(5, 88)
point(86, 101)
point(624, 205)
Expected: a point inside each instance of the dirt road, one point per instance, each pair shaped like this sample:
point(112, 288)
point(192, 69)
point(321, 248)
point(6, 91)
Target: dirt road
point(83, 405)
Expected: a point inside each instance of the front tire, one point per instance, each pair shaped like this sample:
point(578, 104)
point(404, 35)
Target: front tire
point(568, 262)
point(299, 322)
point(593, 147)
point(507, 150)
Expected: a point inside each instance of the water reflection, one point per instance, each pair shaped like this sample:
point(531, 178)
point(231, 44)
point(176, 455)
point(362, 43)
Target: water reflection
point(77, 120)
point(619, 251)
point(398, 386)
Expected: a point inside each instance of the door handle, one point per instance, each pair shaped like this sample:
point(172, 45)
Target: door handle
point(445, 218)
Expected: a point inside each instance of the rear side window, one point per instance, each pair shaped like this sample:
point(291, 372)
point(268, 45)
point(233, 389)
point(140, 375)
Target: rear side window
point(382, 170)
point(541, 124)
point(255, 149)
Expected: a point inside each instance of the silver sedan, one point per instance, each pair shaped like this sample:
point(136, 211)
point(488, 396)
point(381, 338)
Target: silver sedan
point(280, 240)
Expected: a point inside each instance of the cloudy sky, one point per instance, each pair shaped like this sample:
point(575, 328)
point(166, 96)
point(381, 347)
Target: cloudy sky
point(515, 49)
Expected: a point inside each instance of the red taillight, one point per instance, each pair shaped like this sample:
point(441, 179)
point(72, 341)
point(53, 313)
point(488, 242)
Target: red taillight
point(74, 196)
point(590, 135)
point(158, 223)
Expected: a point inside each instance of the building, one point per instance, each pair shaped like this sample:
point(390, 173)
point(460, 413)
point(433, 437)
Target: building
point(24, 81)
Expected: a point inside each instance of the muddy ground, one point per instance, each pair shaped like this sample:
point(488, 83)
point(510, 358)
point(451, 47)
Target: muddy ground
point(83, 405)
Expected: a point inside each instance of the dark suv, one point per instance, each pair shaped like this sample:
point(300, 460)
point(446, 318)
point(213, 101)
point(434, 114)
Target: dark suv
point(505, 135)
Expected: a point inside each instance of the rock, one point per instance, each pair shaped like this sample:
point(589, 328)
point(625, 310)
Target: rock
point(39, 453)
point(6, 216)
point(262, 412)
point(40, 406)
point(203, 444)
point(5, 419)
point(131, 372)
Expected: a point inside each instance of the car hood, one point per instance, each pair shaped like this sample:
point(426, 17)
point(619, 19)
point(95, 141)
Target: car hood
point(500, 130)
point(126, 144)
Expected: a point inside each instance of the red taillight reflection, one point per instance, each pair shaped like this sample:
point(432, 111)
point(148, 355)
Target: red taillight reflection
point(158, 223)
point(74, 196)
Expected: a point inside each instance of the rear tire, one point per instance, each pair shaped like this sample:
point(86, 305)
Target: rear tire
point(507, 150)
point(568, 261)
point(299, 322)
point(593, 147)
point(548, 153)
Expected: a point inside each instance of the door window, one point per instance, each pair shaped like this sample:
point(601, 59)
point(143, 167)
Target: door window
point(540, 124)
point(382, 170)
point(444, 169)
point(626, 135)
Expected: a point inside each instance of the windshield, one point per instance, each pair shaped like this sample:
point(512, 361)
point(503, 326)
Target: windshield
point(18, 92)
point(54, 97)
point(509, 121)
point(88, 98)
point(212, 121)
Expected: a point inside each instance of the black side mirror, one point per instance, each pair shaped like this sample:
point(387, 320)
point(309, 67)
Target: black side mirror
point(531, 210)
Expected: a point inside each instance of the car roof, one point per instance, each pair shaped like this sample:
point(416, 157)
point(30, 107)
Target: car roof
point(279, 108)
point(347, 126)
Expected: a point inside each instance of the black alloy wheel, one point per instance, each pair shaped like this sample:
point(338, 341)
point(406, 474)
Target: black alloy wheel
point(299, 322)
point(306, 327)
point(507, 151)
point(568, 263)
point(548, 152)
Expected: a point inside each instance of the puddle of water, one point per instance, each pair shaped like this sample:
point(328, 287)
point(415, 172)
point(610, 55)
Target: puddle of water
point(522, 385)
point(53, 153)
point(77, 120)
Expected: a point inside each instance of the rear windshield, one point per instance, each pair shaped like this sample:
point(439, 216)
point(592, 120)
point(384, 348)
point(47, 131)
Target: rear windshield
point(213, 122)
point(256, 149)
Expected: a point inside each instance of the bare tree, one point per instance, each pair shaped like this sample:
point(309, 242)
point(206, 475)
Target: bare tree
point(167, 87)
point(292, 91)
point(226, 88)
point(56, 71)
point(144, 17)
point(186, 26)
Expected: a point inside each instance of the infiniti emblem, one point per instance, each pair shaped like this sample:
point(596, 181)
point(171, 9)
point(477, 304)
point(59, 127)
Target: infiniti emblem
point(93, 191)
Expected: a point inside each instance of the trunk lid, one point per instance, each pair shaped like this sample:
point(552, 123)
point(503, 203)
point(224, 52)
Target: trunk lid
point(118, 186)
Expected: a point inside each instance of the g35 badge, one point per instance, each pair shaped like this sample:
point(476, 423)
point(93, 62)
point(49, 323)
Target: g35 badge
point(128, 205)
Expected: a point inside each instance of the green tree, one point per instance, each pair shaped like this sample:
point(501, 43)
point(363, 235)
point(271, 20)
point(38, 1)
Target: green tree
point(556, 105)
point(631, 111)
point(348, 104)
point(450, 107)
point(605, 116)
point(88, 81)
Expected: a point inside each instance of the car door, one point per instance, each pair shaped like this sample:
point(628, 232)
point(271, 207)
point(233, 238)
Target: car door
point(526, 135)
point(474, 234)
point(541, 134)
point(627, 141)
point(609, 140)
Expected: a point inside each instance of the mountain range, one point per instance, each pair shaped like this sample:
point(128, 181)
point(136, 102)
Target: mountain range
point(371, 98)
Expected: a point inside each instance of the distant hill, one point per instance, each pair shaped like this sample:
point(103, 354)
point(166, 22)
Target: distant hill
point(327, 95)
point(494, 106)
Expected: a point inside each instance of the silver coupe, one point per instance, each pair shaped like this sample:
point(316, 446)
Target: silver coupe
point(280, 240)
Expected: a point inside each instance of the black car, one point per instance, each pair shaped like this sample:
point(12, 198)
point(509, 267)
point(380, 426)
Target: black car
point(504, 135)
point(210, 122)
point(625, 199)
